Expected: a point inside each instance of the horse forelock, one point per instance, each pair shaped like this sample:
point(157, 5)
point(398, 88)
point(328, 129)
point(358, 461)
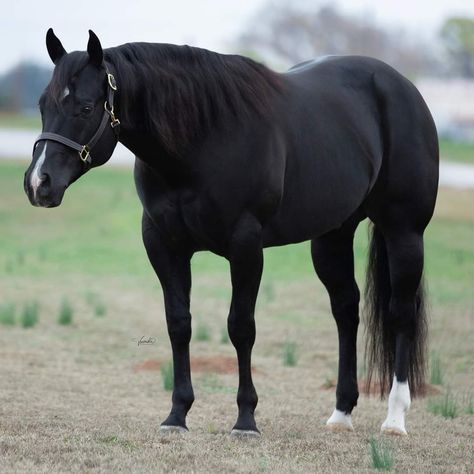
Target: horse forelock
point(68, 67)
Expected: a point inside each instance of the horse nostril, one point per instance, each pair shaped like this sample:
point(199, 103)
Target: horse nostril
point(45, 179)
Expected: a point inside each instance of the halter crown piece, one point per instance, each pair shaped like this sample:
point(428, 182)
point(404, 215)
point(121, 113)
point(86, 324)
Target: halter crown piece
point(85, 150)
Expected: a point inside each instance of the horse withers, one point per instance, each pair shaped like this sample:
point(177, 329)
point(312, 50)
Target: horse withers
point(232, 157)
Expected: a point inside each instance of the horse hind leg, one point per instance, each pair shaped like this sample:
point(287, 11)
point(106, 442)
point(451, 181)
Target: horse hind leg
point(397, 323)
point(333, 260)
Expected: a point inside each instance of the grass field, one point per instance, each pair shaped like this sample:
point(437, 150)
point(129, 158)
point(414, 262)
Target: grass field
point(73, 398)
point(457, 151)
point(15, 120)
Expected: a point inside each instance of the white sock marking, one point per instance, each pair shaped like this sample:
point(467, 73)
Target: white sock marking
point(340, 419)
point(35, 179)
point(398, 404)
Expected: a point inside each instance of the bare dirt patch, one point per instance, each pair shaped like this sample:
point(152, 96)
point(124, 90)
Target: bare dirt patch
point(218, 364)
point(70, 401)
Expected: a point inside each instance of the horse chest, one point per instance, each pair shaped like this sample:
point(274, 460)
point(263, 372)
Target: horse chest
point(190, 216)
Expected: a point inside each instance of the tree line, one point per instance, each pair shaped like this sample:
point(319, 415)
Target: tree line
point(284, 33)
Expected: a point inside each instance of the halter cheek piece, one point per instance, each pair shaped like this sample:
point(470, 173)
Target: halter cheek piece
point(85, 150)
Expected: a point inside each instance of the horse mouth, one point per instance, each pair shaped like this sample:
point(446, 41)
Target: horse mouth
point(46, 202)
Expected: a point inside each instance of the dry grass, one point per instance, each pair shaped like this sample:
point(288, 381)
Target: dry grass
point(74, 398)
point(71, 400)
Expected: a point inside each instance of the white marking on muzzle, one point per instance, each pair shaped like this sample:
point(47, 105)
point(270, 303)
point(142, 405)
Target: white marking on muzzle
point(35, 179)
point(65, 92)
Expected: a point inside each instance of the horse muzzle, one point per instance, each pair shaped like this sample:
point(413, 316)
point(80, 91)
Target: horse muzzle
point(40, 191)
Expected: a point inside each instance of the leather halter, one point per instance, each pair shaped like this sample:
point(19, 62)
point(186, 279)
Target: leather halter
point(85, 150)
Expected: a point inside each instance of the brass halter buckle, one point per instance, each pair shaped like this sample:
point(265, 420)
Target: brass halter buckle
point(84, 153)
point(114, 120)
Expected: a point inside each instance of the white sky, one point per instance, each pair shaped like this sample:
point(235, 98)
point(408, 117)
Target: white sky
point(211, 24)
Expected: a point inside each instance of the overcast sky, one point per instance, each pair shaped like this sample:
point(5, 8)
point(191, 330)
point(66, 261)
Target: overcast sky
point(211, 24)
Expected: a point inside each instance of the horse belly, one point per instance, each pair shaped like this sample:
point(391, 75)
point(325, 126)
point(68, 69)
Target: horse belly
point(318, 198)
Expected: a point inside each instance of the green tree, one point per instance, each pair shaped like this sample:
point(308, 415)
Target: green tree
point(457, 34)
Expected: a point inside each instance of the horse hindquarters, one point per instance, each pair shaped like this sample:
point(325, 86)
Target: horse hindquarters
point(400, 205)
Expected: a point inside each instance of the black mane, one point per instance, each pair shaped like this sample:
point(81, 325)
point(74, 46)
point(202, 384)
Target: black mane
point(177, 92)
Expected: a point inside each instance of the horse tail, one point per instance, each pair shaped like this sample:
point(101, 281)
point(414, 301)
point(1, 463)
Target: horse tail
point(380, 327)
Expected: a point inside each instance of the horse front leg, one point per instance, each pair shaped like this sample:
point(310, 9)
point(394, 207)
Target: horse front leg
point(246, 265)
point(172, 267)
point(333, 261)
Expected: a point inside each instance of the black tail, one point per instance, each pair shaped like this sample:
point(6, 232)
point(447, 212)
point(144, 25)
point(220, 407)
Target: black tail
point(380, 331)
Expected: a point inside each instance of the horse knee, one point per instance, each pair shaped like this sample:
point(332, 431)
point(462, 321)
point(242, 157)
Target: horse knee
point(179, 329)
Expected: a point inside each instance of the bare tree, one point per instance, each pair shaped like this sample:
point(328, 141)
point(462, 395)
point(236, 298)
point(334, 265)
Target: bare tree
point(457, 35)
point(285, 33)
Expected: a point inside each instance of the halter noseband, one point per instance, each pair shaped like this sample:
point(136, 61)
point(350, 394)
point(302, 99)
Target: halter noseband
point(85, 150)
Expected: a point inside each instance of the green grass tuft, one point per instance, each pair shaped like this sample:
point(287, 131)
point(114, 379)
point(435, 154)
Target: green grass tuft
point(65, 313)
point(30, 314)
point(225, 336)
point(290, 358)
point(7, 314)
point(100, 309)
point(167, 376)
point(94, 300)
point(436, 376)
point(469, 408)
point(381, 455)
point(202, 333)
point(267, 290)
point(445, 406)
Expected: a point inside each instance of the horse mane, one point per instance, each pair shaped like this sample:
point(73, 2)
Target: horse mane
point(178, 92)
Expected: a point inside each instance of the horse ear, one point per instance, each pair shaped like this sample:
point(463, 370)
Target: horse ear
point(94, 49)
point(54, 46)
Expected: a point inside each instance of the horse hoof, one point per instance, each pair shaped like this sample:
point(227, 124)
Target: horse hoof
point(393, 431)
point(244, 433)
point(340, 421)
point(172, 429)
point(339, 427)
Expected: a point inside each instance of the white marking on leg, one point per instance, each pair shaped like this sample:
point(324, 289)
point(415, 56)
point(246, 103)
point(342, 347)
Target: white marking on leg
point(35, 179)
point(340, 421)
point(244, 433)
point(66, 92)
point(398, 404)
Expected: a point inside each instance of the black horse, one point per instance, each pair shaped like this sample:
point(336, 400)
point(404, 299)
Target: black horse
point(232, 157)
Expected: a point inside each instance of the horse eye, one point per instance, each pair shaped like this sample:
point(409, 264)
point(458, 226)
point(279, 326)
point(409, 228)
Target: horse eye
point(86, 110)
